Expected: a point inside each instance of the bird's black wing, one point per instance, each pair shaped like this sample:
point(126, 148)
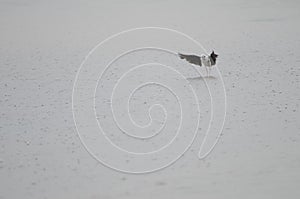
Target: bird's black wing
point(193, 59)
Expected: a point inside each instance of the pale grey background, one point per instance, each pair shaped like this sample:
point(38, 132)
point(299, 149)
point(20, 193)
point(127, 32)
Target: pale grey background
point(42, 44)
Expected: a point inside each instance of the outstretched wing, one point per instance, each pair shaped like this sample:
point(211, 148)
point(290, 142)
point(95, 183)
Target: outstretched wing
point(193, 59)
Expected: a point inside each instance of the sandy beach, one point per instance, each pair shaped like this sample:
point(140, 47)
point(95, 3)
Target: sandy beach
point(53, 99)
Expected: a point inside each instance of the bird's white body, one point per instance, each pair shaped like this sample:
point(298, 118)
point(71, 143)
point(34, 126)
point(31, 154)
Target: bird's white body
point(206, 62)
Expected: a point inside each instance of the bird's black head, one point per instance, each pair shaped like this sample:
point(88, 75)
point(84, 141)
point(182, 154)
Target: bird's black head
point(214, 56)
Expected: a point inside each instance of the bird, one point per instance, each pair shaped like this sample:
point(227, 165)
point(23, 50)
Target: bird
point(203, 60)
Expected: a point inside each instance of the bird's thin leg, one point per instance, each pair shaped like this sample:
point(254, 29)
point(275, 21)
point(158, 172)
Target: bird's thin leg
point(206, 71)
point(209, 72)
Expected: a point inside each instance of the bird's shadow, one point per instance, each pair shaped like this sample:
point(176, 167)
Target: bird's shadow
point(201, 78)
